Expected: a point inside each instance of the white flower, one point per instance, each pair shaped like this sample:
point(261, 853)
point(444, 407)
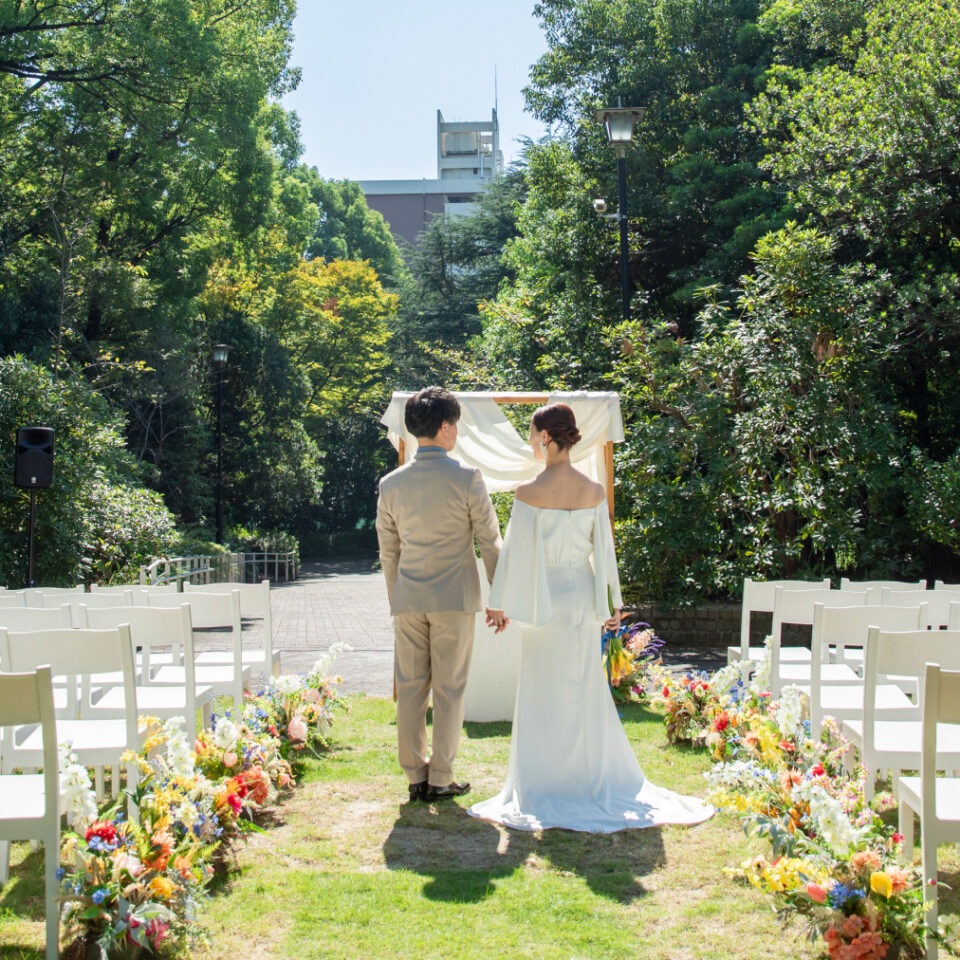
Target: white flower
point(321, 668)
point(225, 734)
point(288, 684)
point(791, 709)
point(828, 817)
point(761, 678)
point(738, 773)
point(180, 755)
point(75, 786)
point(188, 814)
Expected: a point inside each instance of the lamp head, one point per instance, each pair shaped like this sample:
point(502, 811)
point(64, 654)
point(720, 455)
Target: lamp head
point(620, 123)
point(220, 353)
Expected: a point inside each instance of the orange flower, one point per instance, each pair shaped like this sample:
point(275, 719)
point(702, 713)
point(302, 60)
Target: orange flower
point(899, 879)
point(161, 849)
point(183, 866)
point(866, 861)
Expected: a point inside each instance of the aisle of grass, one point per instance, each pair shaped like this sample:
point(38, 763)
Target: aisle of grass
point(352, 870)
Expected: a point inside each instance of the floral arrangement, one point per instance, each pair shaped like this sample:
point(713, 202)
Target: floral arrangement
point(134, 884)
point(629, 652)
point(833, 859)
point(297, 711)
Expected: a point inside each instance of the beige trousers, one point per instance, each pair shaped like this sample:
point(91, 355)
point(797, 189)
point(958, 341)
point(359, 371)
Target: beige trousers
point(432, 651)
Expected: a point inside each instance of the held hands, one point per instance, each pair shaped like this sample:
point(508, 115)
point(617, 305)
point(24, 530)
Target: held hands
point(614, 620)
point(496, 618)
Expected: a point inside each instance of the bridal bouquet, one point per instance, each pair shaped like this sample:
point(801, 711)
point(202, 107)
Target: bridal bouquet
point(628, 654)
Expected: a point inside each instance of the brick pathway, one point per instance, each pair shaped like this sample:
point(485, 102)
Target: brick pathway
point(346, 601)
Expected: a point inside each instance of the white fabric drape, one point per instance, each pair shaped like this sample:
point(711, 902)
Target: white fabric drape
point(488, 441)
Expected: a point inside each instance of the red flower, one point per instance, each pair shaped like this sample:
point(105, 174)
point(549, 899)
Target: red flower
point(897, 838)
point(235, 802)
point(666, 691)
point(103, 829)
point(721, 721)
point(817, 770)
point(787, 746)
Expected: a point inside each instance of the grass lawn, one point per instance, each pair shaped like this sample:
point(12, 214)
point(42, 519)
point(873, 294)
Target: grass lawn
point(348, 869)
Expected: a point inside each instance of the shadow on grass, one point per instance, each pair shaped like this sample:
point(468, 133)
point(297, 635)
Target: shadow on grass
point(484, 731)
point(464, 857)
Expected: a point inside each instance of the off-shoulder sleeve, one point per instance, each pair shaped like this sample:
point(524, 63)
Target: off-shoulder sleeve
point(605, 573)
point(520, 585)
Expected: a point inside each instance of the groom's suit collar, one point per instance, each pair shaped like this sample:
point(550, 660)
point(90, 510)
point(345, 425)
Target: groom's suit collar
point(430, 453)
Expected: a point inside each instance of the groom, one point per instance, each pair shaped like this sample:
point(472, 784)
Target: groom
point(428, 513)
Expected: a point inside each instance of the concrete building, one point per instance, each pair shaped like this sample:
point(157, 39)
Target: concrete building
point(468, 157)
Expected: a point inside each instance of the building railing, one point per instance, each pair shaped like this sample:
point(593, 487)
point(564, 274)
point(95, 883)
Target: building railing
point(221, 568)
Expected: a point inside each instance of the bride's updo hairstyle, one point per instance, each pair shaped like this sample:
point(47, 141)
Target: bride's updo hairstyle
point(558, 420)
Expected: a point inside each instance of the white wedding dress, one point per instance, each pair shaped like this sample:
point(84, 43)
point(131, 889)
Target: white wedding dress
point(571, 764)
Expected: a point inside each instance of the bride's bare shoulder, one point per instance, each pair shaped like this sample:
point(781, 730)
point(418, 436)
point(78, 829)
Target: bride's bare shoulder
point(575, 493)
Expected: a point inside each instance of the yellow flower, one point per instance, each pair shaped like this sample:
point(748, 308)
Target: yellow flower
point(162, 888)
point(881, 883)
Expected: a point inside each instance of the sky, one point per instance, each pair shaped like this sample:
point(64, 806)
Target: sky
point(375, 72)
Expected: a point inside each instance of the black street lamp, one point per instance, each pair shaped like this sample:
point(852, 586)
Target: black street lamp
point(220, 353)
point(620, 123)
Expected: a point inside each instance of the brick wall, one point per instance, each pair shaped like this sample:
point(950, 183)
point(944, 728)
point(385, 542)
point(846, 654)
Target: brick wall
point(712, 625)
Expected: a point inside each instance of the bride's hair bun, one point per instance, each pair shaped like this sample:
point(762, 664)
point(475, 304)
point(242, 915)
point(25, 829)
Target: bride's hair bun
point(558, 420)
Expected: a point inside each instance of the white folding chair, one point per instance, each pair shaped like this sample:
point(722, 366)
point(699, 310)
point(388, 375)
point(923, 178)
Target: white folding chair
point(99, 740)
point(12, 600)
point(36, 618)
point(888, 743)
point(843, 631)
point(935, 799)
point(254, 604)
point(33, 596)
point(940, 585)
point(209, 611)
point(758, 597)
point(152, 628)
point(937, 601)
point(862, 586)
point(86, 599)
point(30, 808)
point(796, 606)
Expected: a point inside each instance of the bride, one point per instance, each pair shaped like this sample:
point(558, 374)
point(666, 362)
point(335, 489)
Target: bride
point(571, 764)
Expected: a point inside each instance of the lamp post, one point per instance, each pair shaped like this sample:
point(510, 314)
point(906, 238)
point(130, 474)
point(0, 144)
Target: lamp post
point(220, 353)
point(620, 123)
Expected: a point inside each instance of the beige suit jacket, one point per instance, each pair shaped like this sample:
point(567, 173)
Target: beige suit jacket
point(428, 513)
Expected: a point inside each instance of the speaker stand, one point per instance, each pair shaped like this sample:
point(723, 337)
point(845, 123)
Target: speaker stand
point(33, 517)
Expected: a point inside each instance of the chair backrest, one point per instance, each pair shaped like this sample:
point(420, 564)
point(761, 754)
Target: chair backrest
point(35, 618)
point(11, 599)
point(76, 654)
point(206, 609)
point(123, 587)
point(27, 698)
point(859, 586)
point(953, 619)
point(758, 597)
point(940, 585)
point(254, 597)
point(86, 599)
point(844, 627)
point(941, 704)
point(796, 606)
point(937, 601)
point(150, 627)
point(33, 595)
point(903, 653)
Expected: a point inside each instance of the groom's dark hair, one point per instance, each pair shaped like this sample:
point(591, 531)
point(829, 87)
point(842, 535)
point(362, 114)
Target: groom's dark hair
point(426, 411)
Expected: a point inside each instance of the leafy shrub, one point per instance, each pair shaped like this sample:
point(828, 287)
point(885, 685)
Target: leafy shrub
point(95, 522)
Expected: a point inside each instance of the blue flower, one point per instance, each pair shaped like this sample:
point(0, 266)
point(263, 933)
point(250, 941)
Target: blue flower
point(60, 873)
point(99, 895)
point(840, 893)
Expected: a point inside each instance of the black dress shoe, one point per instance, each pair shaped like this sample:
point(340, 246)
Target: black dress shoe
point(418, 791)
point(446, 793)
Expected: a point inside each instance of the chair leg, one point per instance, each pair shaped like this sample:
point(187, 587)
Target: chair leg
point(51, 857)
point(928, 853)
point(905, 817)
point(4, 861)
point(114, 781)
point(98, 782)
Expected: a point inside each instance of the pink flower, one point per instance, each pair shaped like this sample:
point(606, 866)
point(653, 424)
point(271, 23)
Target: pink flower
point(817, 893)
point(230, 759)
point(297, 730)
point(311, 694)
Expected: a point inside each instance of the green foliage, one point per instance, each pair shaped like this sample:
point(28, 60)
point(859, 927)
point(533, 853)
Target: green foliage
point(95, 523)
